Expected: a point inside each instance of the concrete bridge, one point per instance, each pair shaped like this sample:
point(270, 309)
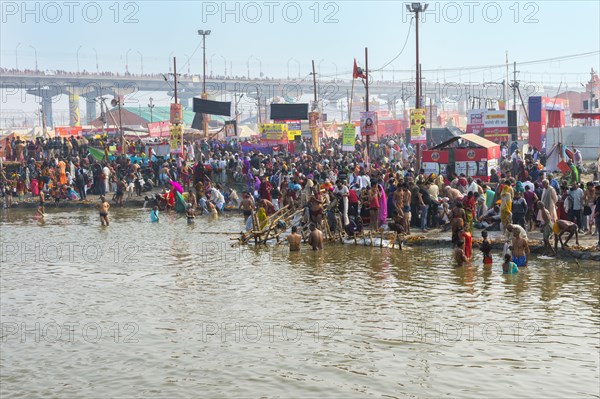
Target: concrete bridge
point(48, 87)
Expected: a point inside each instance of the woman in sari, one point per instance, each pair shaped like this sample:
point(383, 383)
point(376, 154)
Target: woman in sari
point(505, 207)
point(383, 209)
point(262, 217)
point(469, 206)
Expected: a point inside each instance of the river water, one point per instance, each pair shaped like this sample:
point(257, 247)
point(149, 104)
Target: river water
point(171, 310)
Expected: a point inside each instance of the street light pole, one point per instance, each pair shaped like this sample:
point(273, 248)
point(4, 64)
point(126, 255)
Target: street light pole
point(417, 8)
point(78, 48)
point(225, 62)
point(248, 65)
point(35, 53)
point(260, 72)
point(17, 56)
point(141, 61)
point(127, 61)
point(204, 33)
point(211, 64)
point(151, 106)
point(336, 70)
point(97, 69)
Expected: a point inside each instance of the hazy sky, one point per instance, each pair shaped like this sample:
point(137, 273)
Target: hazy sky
point(452, 34)
point(458, 36)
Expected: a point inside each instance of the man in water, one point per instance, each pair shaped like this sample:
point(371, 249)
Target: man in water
point(294, 239)
point(560, 228)
point(103, 208)
point(315, 239)
point(520, 249)
point(246, 206)
point(41, 209)
point(459, 254)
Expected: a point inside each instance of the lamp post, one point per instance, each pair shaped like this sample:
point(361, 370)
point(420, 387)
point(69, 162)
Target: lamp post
point(141, 61)
point(97, 69)
point(204, 33)
point(322, 59)
point(288, 67)
point(35, 54)
point(224, 62)
point(260, 72)
point(17, 56)
point(151, 106)
point(127, 61)
point(211, 64)
point(189, 60)
point(77, 55)
point(248, 65)
point(336, 70)
point(417, 8)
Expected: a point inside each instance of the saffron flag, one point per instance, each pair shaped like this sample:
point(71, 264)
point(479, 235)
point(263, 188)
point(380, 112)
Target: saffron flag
point(358, 72)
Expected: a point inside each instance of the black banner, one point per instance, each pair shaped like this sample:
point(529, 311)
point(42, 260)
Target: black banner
point(212, 107)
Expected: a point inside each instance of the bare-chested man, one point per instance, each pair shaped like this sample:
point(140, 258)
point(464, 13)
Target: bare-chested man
point(119, 195)
point(103, 208)
point(294, 239)
point(41, 209)
point(520, 249)
point(246, 206)
point(315, 238)
point(546, 228)
point(560, 228)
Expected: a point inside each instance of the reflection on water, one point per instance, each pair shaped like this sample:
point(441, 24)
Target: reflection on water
point(169, 309)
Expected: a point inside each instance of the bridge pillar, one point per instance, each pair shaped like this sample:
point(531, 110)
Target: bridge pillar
point(46, 94)
point(90, 109)
point(47, 111)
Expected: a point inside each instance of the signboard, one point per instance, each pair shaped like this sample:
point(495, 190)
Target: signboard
point(368, 123)
point(175, 137)
point(431, 167)
point(475, 120)
point(294, 128)
point(273, 131)
point(418, 124)
point(314, 120)
point(231, 128)
point(176, 113)
point(495, 124)
point(348, 137)
point(159, 129)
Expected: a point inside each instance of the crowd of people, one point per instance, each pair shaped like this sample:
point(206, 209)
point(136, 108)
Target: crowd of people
point(386, 192)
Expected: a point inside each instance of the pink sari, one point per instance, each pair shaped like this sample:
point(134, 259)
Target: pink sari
point(382, 207)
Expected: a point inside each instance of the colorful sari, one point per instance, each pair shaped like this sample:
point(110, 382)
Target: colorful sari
point(506, 207)
point(382, 207)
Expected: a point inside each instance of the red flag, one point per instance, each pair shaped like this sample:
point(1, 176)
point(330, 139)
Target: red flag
point(357, 72)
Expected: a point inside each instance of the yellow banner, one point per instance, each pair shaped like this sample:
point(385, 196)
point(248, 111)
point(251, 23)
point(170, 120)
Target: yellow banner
point(175, 137)
point(273, 131)
point(348, 137)
point(418, 125)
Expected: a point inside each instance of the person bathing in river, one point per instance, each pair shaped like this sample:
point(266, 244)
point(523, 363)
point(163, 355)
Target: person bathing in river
point(509, 267)
point(294, 239)
point(459, 254)
point(486, 248)
point(315, 239)
point(103, 208)
point(520, 249)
